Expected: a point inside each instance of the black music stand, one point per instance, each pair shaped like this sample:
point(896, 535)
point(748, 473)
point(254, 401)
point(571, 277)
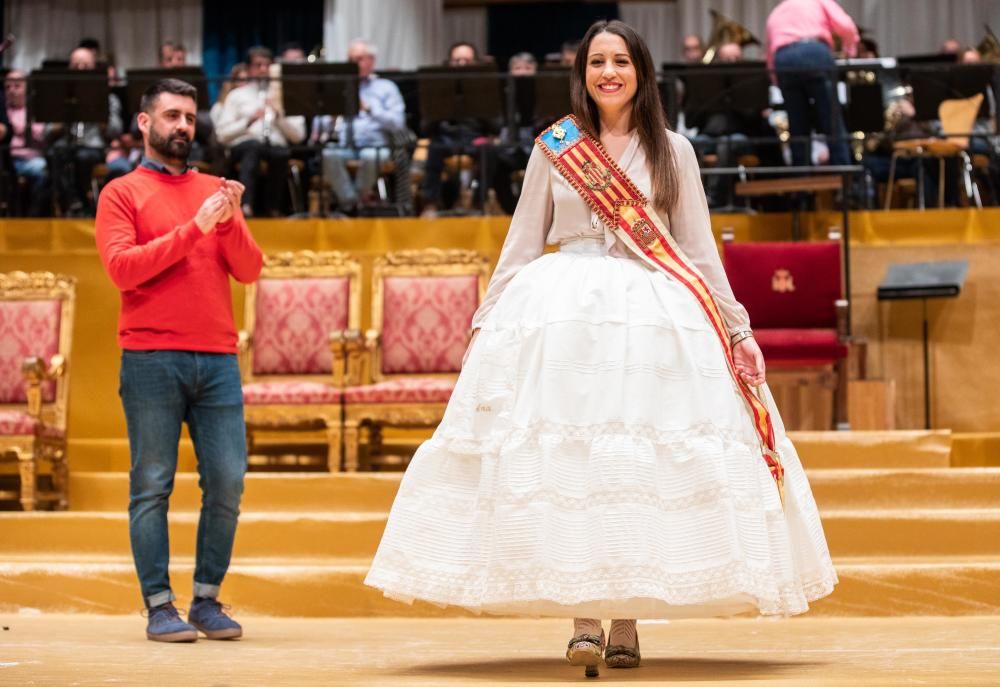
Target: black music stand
point(541, 98)
point(457, 93)
point(923, 280)
point(935, 82)
point(67, 95)
point(865, 109)
point(140, 80)
point(740, 88)
point(321, 88)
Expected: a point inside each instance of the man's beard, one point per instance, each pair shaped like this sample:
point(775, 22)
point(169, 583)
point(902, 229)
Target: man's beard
point(173, 147)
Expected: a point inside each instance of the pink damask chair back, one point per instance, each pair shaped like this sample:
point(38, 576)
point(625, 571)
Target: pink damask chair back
point(36, 333)
point(299, 300)
point(423, 303)
point(291, 378)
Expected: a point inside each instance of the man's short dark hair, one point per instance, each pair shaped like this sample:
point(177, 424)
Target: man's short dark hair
point(175, 86)
point(259, 51)
point(172, 45)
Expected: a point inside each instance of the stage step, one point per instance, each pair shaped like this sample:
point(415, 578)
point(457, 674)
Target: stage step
point(895, 449)
point(334, 587)
point(374, 492)
point(850, 532)
point(263, 491)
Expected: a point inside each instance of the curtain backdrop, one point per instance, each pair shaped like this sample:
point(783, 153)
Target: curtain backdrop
point(407, 33)
point(129, 31)
point(464, 24)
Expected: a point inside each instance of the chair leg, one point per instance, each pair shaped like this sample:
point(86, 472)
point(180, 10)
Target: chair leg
point(940, 182)
point(892, 179)
point(840, 418)
point(971, 189)
point(334, 452)
point(60, 478)
point(28, 469)
point(350, 446)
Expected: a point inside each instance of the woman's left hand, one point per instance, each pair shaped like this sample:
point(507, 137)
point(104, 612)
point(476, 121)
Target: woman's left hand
point(749, 361)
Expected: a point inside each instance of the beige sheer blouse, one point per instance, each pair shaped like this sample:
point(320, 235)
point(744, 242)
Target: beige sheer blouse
point(550, 211)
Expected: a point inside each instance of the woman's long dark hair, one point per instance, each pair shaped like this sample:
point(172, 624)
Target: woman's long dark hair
point(647, 111)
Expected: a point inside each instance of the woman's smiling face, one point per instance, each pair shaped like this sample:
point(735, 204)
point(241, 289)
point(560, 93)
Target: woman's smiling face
point(611, 77)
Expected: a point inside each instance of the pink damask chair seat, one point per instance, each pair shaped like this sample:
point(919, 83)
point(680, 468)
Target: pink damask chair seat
point(291, 393)
point(36, 327)
point(402, 372)
point(292, 369)
point(407, 390)
point(17, 422)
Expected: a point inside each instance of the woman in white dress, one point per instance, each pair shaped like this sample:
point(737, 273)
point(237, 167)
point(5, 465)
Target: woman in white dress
point(597, 458)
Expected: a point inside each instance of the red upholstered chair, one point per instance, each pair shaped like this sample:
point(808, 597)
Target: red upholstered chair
point(292, 369)
point(403, 371)
point(794, 294)
point(36, 332)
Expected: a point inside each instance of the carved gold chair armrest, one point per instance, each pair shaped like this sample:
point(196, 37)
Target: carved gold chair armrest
point(338, 349)
point(36, 372)
point(358, 352)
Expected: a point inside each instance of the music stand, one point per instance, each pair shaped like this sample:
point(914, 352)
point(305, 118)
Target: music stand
point(138, 81)
point(923, 280)
point(543, 97)
point(321, 88)
point(724, 88)
point(67, 95)
point(933, 83)
point(865, 109)
point(457, 93)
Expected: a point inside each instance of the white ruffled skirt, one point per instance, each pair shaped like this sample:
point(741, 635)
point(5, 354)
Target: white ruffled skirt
point(597, 460)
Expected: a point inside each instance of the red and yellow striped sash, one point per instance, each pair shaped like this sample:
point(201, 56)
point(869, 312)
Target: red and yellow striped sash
point(609, 192)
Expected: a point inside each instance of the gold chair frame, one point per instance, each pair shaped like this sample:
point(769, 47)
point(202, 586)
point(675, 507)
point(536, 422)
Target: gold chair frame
point(44, 445)
point(364, 354)
point(312, 416)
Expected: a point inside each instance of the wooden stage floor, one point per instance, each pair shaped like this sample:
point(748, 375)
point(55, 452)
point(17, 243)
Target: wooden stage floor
point(63, 650)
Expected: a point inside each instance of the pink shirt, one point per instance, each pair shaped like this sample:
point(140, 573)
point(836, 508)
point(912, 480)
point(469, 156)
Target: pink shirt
point(18, 117)
point(795, 20)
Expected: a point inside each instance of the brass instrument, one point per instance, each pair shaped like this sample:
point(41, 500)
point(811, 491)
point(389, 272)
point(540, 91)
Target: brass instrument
point(989, 47)
point(726, 30)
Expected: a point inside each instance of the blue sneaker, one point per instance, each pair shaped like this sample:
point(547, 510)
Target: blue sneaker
point(208, 615)
point(165, 625)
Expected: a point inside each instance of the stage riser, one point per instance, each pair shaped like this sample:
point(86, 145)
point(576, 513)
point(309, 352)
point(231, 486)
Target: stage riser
point(301, 535)
point(945, 589)
point(855, 489)
point(899, 449)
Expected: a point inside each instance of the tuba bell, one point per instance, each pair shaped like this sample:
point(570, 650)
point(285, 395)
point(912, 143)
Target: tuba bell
point(989, 47)
point(726, 30)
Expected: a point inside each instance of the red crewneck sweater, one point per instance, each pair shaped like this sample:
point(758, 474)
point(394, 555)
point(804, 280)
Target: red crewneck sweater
point(174, 279)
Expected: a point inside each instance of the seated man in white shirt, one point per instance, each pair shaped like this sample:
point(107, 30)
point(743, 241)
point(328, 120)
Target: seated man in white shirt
point(366, 137)
point(252, 124)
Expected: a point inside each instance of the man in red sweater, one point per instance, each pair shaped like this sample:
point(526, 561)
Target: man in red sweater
point(170, 238)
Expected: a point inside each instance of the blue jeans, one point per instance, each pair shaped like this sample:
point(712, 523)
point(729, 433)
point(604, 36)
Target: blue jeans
point(160, 390)
point(799, 87)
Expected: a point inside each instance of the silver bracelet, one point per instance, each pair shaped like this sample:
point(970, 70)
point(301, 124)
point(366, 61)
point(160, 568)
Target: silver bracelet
point(740, 336)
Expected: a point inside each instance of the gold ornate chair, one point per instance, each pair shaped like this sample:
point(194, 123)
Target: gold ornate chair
point(401, 373)
point(292, 371)
point(36, 331)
